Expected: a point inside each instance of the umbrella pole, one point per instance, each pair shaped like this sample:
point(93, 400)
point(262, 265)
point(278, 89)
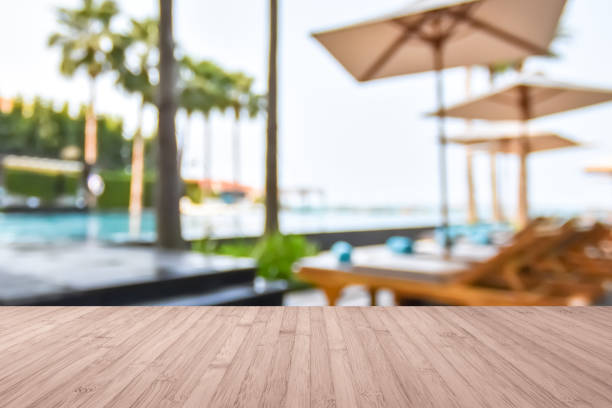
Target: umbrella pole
point(523, 200)
point(472, 213)
point(439, 65)
point(523, 215)
point(497, 213)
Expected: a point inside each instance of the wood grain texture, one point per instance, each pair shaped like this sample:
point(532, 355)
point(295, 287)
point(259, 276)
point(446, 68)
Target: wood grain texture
point(305, 357)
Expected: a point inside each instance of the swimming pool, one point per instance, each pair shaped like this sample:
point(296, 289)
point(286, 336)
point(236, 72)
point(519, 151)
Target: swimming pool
point(114, 226)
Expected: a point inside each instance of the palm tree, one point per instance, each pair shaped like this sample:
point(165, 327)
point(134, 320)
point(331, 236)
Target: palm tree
point(86, 42)
point(143, 40)
point(242, 99)
point(168, 188)
point(271, 199)
point(206, 88)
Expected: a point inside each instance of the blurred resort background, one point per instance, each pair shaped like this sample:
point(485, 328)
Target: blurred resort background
point(251, 143)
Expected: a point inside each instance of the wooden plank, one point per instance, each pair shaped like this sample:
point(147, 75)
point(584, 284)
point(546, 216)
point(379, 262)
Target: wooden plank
point(43, 376)
point(44, 353)
point(539, 358)
point(305, 357)
point(502, 381)
point(275, 391)
point(194, 377)
point(221, 380)
point(298, 386)
point(466, 393)
point(341, 371)
point(255, 381)
point(419, 379)
point(391, 391)
point(322, 393)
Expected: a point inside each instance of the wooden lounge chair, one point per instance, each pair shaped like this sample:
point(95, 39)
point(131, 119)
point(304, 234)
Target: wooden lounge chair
point(588, 255)
point(511, 277)
point(538, 265)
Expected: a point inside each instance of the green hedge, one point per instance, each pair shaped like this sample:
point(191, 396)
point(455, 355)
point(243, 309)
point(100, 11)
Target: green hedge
point(194, 192)
point(46, 186)
point(116, 193)
point(50, 186)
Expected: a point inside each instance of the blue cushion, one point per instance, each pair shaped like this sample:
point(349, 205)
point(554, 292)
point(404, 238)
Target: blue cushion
point(343, 251)
point(481, 238)
point(400, 245)
point(439, 235)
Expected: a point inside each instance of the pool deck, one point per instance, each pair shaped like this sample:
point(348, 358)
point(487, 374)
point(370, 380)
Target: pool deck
point(306, 357)
point(91, 274)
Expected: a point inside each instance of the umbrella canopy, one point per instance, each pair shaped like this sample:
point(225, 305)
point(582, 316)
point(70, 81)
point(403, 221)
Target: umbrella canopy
point(527, 99)
point(542, 96)
point(438, 34)
point(512, 143)
point(473, 32)
point(600, 168)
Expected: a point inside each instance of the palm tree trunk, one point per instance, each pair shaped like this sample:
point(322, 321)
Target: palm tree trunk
point(91, 127)
point(271, 201)
point(271, 225)
point(180, 144)
point(168, 189)
point(137, 179)
point(90, 145)
point(236, 151)
point(207, 149)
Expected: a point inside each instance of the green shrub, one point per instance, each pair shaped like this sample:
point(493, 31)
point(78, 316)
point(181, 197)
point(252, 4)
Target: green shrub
point(275, 255)
point(194, 192)
point(116, 193)
point(47, 186)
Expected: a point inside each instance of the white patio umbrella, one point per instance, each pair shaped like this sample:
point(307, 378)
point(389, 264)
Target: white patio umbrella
point(437, 34)
point(600, 168)
point(510, 143)
point(527, 99)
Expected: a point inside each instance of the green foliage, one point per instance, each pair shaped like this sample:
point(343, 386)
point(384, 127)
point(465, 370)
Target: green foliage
point(39, 129)
point(275, 254)
point(46, 186)
point(206, 87)
point(238, 248)
point(194, 192)
point(49, 186)
point(141, 42)
point(116, 193)
point(86, 39)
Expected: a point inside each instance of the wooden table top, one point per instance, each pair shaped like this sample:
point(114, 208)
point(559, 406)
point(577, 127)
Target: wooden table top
point(298, 357)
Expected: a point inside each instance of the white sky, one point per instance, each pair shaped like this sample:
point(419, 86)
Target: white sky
point(364, 144)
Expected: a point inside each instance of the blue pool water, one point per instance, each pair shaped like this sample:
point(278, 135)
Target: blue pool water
point(20, 227)
point(114, 226)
